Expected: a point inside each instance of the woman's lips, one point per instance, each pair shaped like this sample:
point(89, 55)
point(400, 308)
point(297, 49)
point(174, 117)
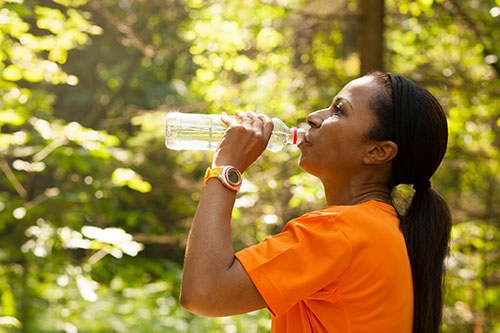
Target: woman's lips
point(304, 142)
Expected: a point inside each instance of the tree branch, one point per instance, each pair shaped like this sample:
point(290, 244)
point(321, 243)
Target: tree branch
point(12, 179)
point(125, 29)
point(49, 148)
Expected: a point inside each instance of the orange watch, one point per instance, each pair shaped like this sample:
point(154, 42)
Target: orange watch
point(228, 175)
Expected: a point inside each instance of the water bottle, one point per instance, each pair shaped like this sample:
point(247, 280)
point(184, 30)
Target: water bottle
point(188, 131)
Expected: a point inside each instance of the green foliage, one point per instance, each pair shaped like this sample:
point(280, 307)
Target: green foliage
point(94, 211)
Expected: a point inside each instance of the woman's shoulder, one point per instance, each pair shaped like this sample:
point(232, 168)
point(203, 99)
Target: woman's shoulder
point(363, 217)
point(367, 208)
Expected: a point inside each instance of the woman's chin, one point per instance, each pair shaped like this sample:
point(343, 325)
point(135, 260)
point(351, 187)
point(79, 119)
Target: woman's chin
point(303, 162)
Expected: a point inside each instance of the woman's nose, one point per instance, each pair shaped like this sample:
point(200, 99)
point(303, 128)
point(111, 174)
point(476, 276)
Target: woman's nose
point(315, 119)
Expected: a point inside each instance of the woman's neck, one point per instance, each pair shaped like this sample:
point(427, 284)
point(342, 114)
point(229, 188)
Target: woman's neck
point(354, 194)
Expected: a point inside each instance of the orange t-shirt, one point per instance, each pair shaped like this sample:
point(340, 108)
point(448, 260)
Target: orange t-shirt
point(338, 269)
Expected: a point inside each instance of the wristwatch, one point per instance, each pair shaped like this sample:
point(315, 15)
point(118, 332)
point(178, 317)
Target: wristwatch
point(228, 175)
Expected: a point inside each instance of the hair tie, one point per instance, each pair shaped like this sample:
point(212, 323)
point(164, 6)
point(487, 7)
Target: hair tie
point(422, 185)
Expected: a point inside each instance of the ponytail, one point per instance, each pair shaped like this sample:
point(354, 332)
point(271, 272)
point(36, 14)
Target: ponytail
point(411, 117)
point(426, 227)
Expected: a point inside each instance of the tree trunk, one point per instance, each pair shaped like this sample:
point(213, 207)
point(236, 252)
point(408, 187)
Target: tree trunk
point(371, 39)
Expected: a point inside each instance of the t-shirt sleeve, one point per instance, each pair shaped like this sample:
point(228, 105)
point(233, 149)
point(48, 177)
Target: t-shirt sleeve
point(310, 253)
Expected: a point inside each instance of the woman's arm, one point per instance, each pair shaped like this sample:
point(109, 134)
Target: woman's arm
point(214, 283)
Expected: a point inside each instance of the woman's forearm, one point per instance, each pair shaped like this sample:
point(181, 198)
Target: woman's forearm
point(209, 251)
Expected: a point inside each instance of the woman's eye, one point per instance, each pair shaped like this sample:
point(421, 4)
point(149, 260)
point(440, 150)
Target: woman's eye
point(337, 109)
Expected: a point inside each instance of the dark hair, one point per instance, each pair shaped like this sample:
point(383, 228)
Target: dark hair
point(426, 224)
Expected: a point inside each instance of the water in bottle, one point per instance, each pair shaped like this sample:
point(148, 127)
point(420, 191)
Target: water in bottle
point(188, 131)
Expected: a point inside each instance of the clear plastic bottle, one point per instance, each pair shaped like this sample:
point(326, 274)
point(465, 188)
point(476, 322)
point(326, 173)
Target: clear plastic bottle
point(188, 131)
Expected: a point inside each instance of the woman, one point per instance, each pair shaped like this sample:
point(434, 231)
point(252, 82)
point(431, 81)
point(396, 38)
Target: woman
point(356, 265)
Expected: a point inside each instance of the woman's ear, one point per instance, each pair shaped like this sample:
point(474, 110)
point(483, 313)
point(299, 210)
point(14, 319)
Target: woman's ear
point(381, 152)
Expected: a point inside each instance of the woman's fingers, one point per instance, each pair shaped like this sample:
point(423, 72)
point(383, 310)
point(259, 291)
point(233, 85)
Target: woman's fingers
point(249, 120)
point(268, 125)
point(254, 124)
point(245, 141)
point(253, 121)
point(228, 121)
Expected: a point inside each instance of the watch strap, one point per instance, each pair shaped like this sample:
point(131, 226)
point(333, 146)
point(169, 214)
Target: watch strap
point(212, 173)
point(229, 176)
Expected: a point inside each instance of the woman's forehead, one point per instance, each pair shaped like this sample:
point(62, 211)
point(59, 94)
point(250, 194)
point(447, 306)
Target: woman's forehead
point(359, 90)
point(361, 84)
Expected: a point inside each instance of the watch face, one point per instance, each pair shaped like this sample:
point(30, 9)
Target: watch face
point(233, 176)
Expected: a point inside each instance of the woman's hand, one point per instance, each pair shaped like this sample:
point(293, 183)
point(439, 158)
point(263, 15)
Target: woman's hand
point(243, 142)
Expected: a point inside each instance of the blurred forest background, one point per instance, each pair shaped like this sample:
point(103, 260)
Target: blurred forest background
point(94, 210)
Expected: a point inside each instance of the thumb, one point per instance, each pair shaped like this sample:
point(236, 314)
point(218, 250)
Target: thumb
point(228, 121)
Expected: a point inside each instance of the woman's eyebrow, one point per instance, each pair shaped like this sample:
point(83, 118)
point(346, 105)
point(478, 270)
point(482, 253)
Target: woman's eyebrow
point(343, 99)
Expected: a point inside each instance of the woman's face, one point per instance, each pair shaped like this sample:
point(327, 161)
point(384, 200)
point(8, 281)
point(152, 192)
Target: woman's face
point(336, 143)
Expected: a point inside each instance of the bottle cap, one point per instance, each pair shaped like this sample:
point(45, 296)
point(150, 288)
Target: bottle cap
point(298, 135)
